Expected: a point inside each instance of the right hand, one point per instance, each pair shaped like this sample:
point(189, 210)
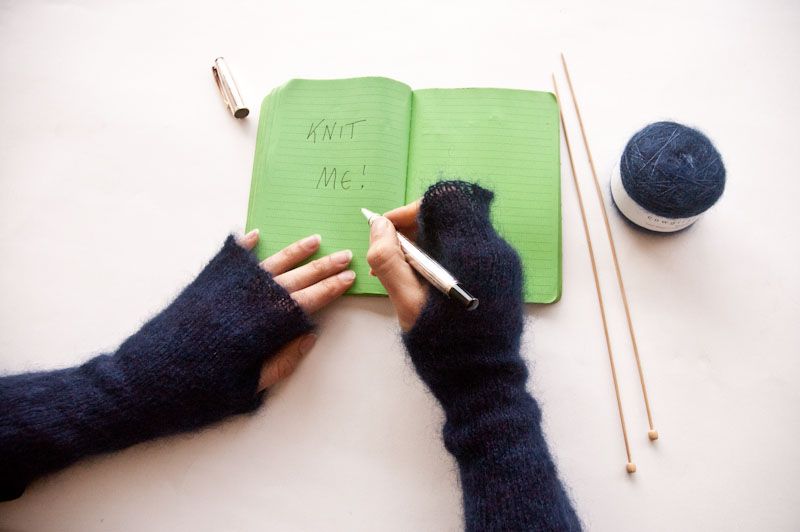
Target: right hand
point(406, 290)
point(447, 344)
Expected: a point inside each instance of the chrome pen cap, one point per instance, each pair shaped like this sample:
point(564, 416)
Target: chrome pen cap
point(228, 89)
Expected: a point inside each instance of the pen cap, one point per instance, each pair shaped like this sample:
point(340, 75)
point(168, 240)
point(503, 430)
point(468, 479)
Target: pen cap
point(228, 89)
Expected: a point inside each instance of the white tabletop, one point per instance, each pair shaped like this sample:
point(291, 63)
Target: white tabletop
point(121, 173)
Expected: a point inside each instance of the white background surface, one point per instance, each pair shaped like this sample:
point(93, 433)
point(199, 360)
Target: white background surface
point(121, 172)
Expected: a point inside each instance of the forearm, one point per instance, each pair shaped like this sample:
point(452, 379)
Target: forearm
point(196, 362)
point(508, 477)
point(471, 362)
point(49, 420)
point(493, 429)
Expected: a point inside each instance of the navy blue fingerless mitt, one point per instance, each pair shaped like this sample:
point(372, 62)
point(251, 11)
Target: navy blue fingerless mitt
point(195, 363)
point(471, 362)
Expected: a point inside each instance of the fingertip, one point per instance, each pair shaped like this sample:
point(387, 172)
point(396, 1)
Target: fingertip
point(249, 240)
point(341, 258)
point(312, 242)
point(381, 228)
point(347, 276)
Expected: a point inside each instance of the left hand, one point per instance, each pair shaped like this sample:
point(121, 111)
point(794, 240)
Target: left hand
point(311, 285)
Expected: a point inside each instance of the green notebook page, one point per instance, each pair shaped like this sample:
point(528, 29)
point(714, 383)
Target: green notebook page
point(324, 150)
point(508, 141)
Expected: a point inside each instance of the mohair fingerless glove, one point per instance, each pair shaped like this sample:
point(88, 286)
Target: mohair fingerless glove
point(195, 363)
point(471, 362)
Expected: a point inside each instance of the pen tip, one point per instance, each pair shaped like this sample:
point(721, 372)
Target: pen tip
point(367, 213)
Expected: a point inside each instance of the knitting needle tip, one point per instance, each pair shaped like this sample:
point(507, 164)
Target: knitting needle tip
point(631, 467)
point(652, 434)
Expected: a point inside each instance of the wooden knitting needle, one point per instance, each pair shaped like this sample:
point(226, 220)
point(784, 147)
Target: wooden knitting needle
point(652, 433)
point(630, 467)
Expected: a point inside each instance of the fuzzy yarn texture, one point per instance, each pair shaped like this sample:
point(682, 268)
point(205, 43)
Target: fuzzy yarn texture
point(196, 362)
point(471, 362)
point(672, 170)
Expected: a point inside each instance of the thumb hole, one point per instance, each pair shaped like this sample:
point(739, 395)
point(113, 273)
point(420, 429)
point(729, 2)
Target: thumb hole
point(283, 363)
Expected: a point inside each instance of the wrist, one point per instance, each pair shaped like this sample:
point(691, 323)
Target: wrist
point(194, 363)
point(199, 360)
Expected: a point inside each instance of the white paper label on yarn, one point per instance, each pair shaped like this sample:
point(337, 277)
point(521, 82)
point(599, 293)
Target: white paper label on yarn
point(641, 216)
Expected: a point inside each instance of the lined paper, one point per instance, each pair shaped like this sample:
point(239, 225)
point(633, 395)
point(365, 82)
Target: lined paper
point(324, 150)
point(505, 140)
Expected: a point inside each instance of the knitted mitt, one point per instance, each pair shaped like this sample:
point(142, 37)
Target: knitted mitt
point(472, 364)
point(454, 350)
point(196, 362)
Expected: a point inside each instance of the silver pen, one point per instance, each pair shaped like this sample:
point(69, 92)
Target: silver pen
point(431, 270)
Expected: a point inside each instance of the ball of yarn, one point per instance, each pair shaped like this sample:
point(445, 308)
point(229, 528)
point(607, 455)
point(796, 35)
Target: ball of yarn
point(672, 170)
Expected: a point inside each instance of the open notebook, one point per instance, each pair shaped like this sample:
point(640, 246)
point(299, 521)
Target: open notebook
point(327, 148)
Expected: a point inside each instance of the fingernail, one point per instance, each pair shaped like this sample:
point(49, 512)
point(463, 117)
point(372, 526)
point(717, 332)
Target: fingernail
point(347, 276)
point(310, 242)
point(307, 343)
point(342, 257)
point(250, 237)
point(379, 226)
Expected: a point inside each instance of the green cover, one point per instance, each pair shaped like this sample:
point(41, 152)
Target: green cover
point(327, 148)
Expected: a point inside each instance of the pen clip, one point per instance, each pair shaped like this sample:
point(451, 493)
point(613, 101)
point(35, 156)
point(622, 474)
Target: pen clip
point(228, 89)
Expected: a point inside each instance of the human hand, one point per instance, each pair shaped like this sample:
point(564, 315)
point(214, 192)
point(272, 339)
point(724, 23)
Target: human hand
point(311, 285)
point(472, 364)
point(387, 262)
point(449, 346)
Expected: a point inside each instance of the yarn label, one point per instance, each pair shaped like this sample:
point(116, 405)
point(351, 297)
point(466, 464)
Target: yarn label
point(641, 216)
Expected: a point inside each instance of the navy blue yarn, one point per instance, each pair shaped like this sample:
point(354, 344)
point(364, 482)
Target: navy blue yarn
point(198, 361)
point(672, 170)
point(195, 363)
point(471, 362)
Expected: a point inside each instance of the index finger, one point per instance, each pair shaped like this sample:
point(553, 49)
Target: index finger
point(405, 218)
point(288, 257)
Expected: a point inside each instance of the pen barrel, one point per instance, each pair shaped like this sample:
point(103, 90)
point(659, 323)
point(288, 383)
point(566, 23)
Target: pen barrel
point(431, 270)
point(426, 266)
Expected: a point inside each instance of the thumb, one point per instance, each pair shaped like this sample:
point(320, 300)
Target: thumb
point(283, 363)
